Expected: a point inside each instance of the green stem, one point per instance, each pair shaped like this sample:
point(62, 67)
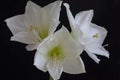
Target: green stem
point(50, 78)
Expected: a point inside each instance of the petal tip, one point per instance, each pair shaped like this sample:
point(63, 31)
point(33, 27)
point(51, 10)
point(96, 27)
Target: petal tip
point(5, 20)
point(98, 61)
point(108, 55)
point(66, 5)
point(8, 19)
point(12, 38)
point(59, 2)
point(84, 71)
point(29, 2)
point(91, 12)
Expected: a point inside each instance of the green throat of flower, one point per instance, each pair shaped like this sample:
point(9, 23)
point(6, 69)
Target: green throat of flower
point(95, 36)
point(43, 34)
point(39, 33)
point(56, 53)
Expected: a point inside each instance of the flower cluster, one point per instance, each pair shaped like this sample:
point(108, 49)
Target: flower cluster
point(58, 51)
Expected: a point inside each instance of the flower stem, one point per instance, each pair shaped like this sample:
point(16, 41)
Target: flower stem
point(50, 78)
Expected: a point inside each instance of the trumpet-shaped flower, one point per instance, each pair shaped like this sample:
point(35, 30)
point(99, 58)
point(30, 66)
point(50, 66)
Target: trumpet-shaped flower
point(88, 34)
point(35, 25)
point(57, 53)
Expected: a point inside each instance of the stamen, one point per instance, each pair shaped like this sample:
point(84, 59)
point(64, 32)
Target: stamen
point(56, 53)
point(95, 36)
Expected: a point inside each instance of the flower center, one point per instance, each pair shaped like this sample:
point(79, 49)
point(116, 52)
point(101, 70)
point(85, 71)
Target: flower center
point(56, 53)
point(43, 33)
point(39, 33)
point(95, 36)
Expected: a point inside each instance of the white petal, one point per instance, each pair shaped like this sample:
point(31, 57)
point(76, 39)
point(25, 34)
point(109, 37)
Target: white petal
point(102, 33)
point(72, 49)
point(41, 57)
point(31, 47)
point(84, 17)
point(54, 9)
point(97, 31)
point(40, 61)
point(54, 12)
point(24, 37)
point(93, 56)
point(16, 24)
point(45, 20)
point(32, 14)
point(76, 32)
point(70, 46)
point(53, 26)
point(36, 16)
point(74, 66)
point(100, 51)
point(60, 38)
point(70, 16)
point(47, 41)
point(62, 34)
point(55, 69)
point(95, 49)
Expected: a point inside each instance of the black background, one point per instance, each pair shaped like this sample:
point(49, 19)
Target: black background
point(17, 63)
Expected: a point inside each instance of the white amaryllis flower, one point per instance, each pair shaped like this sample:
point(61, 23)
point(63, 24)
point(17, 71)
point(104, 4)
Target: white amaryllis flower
point(88, 34)
point(35, 25)
point(59, 52)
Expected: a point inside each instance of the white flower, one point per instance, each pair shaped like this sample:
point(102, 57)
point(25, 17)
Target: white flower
point(58, 53)
point(35, 25)
point(90, 35)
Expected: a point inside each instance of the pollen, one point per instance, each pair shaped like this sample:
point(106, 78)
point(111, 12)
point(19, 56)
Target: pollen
point(95, 36)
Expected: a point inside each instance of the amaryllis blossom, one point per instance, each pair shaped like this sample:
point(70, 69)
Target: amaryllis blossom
point(35, 24)
point(59, 53)
point(88, 34)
